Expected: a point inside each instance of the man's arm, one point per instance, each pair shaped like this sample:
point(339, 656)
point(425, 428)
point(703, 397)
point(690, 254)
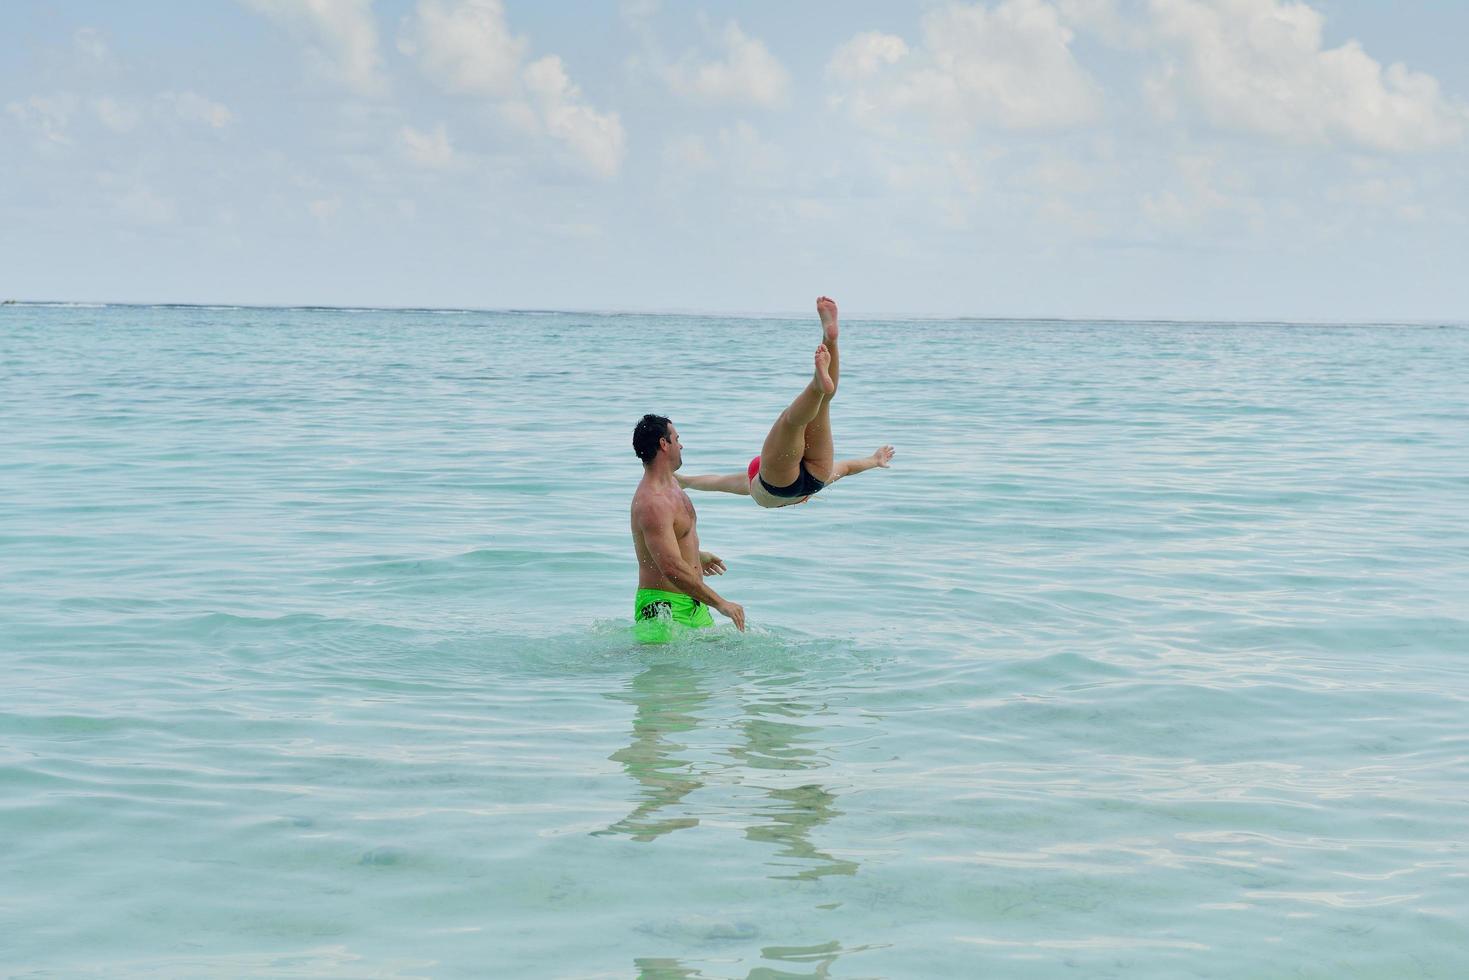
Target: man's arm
point(727, 483)
point(848, 467)
point(655, 519)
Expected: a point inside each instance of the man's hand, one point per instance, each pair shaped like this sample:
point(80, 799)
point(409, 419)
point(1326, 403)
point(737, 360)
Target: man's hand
point(711, 563)
point(734, 611)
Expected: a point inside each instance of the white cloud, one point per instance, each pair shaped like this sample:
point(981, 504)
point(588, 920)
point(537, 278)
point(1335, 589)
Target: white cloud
point(116, 115)
point(865, 55)
point(50, 114)
point(54, 116)
point(195, 108)
point(465, 48)
point(340, 37)
point(468, 48)
point(1010, 66)
point(1259, 66)
point(747, 74)
point(432, 150)
point(736, 156)
point(596, 138)
point(1104, 19)
point(1200, 189)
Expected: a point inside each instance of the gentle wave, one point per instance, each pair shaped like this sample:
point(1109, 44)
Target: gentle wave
point(1144, 657)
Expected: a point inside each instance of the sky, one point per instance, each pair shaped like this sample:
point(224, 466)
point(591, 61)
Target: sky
point(1189, 159)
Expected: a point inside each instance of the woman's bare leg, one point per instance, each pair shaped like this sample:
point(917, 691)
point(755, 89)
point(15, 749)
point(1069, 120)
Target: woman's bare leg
point(826, 308)
point(818, 451)
point(780, 456)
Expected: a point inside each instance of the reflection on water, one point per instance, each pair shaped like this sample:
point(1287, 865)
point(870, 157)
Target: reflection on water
point(666, 697)
point(822, 956)
point(794, 814)
point(662, 968)
point(818, 959)
point(773, 741)
point(774, 753)
point(668, 700)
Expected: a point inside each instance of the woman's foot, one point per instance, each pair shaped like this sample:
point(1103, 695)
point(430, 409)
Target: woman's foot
point(826, 308)
point(823, 375)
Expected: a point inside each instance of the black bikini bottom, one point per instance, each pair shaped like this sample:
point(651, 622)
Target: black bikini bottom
point(805, 485)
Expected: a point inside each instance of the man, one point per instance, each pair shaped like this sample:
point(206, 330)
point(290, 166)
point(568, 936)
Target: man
point(671, 568)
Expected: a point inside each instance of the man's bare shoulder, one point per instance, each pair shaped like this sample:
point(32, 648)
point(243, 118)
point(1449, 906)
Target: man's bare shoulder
point(652, 507)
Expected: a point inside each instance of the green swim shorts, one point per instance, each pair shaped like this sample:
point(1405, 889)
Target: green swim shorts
point(660, 616)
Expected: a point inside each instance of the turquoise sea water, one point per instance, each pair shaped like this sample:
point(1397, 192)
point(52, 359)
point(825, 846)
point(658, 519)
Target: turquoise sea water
point(1147, 658)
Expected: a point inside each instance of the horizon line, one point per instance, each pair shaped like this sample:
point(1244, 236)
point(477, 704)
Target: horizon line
point(740, 314)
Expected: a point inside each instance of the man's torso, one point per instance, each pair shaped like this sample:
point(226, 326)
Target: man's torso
point(650, 576)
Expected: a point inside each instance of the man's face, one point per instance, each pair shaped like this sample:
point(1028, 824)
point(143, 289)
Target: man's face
point(673, 447)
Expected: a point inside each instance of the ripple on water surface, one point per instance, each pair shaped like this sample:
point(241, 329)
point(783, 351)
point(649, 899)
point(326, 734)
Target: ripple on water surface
point(1143, 659)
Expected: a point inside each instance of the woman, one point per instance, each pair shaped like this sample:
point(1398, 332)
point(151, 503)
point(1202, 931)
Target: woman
point(797, 459)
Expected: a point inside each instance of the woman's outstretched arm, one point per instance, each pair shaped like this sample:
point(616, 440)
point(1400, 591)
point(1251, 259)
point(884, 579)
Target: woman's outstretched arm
point(846, 467)
point(728, 483)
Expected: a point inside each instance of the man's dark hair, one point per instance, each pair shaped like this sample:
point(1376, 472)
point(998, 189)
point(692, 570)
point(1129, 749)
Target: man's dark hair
point(645, 436)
